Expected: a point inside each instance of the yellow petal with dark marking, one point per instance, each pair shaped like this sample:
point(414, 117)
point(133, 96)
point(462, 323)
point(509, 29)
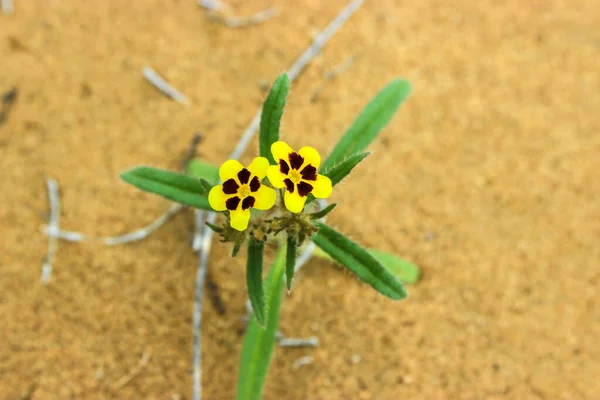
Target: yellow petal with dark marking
point(281, 151)
point(239, 219)
point(322, 187)
point(264, 198)
point(311, 156)
point(258, 167)
point(275, 176)
point(294, 202)
point(229, 169)
point(217, 198)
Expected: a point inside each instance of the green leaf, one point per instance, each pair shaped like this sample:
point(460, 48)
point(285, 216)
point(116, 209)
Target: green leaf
point(407, 272)
point(236, 248)
point(271, 116)
point(202, 169)
point(321, 213)
point(214, 227)
point(340, 170)
point(372, 119)
point(171, 185)
point(404, 270)
point(207, 186)
point(290, 260)
point(254, 278)
point(359, 261)
point(259, 343)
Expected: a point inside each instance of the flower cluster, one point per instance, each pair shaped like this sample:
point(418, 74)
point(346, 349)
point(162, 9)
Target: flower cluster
point(242, 188)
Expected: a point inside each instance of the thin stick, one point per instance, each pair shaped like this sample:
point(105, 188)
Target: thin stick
point(298, 342)
point(307, 360)
point(7, 7)
point(69, 236)
point(240, 22)
point(299, 65)
point(136, 371)
point(158, 82)
point(206, 234)
point(212, 5)
point(53, 224)
point(144, 232)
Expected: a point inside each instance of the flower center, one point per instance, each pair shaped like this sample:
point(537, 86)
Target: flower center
point(244, 191)
point(295, 176)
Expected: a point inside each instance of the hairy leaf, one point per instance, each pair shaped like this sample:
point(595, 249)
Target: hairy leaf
point(254, 281)
point(171, 185)
point(359, 261)
point(340, 170)
point(271, 116)
point(259, 343)
point(372, 119)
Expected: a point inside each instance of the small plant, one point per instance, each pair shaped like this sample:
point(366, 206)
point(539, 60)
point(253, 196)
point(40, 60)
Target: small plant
point(272, 201)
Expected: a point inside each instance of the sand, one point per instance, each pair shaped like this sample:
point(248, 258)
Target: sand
point(488, 178)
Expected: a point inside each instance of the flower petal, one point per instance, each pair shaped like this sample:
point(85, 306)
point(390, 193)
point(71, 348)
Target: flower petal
point(258, 167)
point(275, 176)
point(239, 218)
point(264, 198)
point(229, 169)
point(311, 156)
point(281, 151)
point(322, 187)
point(217, 198)
point(294, 202)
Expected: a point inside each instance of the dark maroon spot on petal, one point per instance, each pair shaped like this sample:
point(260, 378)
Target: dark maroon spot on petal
point(289, 185)
point(309, 173)
point(248, 202)
point(284, 168)
point(254, 184)
point(232, 203)
point(304, 188)
point(296, 160)
point(244, 176)
point(230, 186)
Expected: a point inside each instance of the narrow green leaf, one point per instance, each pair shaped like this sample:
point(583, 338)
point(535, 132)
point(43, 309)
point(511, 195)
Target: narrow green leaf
point(201, 169)
point(254, 278)
point(290, 260)
point(259, 343)
point(214, 227)
point(321, 213)
point(404, 270)
point(271, 116)
point(171, 185)
point(340, 170)
point(207, 186)
point(359, 261)
point(372, 119)
point(407, 272)
point(236, 249)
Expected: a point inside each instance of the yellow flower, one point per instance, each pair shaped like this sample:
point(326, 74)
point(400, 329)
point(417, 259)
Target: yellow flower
point(242, 190)
point(297, 173)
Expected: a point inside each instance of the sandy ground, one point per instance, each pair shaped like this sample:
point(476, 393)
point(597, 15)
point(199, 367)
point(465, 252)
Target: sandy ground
point(488, 178)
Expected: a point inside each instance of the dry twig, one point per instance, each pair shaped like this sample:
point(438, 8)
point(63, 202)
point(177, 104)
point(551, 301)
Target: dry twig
point(53, 225)
point(212, 5)
point(307, 360)
point(144, 232)
point(158, 82)
point(7, 7)
point(298, 342)
point(240, 22)
point(136, 371)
